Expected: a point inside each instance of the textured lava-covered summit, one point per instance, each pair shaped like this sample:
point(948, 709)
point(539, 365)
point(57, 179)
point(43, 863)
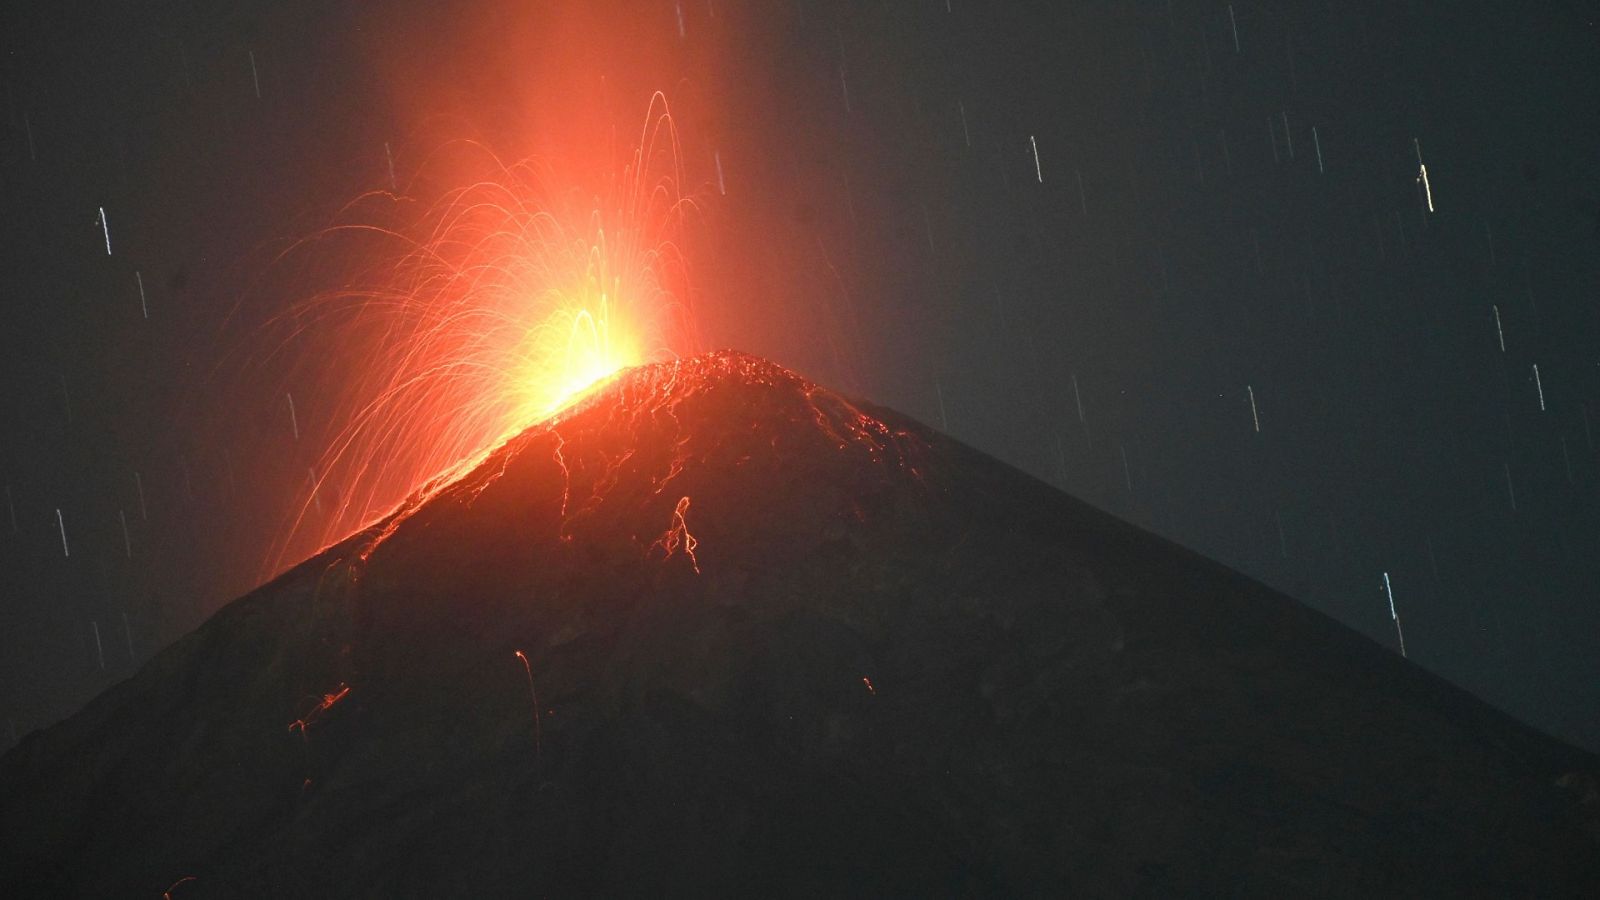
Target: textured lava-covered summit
point(715, 627)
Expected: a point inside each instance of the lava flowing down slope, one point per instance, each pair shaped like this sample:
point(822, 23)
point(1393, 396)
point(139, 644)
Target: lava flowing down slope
point(716, 627)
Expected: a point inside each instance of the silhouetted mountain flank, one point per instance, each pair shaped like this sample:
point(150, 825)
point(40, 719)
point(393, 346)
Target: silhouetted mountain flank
point(782, 644)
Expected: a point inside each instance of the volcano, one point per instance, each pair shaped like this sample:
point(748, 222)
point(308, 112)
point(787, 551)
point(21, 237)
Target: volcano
point(716, 628)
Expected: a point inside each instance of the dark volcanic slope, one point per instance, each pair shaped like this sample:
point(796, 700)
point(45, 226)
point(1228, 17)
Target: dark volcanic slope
point(782, 645)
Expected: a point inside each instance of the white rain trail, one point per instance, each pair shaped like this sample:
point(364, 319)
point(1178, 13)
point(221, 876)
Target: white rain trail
point(1422, 174)
point(1254, 416)
point(1393, 614)
point(1234, 23)
point(99, 651)
point(254, 77)
point(139, 483)
point(127, 632)
point(965, 134)
point(315, 497)
point(106, 228)
point(1539, 385)
point(1498, 330)
point(393, 186)
point(293, 419)
point(1318, 143)
point(28, 126)
point(127, 545)
point(1511, 490)
point(722, 187)
point(139, 277)
point(1037, 170)
point(61, 524)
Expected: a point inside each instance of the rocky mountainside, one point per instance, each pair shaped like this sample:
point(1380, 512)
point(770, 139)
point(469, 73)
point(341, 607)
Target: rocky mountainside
point(717, 628)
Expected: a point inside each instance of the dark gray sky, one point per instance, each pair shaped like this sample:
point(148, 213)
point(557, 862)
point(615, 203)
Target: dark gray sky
point(1080, 236)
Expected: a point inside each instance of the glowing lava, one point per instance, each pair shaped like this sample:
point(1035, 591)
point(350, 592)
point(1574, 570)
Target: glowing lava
point(677, 537)
point(485, 312)
point(322, 706)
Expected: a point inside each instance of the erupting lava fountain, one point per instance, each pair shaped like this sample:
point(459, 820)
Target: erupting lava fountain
point(508, 298)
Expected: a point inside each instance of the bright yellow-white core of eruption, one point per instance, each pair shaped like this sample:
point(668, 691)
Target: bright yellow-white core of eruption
point(580, 342)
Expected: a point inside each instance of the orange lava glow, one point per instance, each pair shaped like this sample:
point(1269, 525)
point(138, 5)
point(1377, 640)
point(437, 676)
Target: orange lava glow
point(499, 304)
point(326, 703)
point(677, 537)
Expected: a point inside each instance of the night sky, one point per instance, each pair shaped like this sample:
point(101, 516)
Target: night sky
point(1174, 258)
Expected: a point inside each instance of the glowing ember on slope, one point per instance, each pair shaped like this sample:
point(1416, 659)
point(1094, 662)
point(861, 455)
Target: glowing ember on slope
point(510, 298)
point(326, 703)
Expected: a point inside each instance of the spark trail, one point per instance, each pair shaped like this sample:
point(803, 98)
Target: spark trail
point(538, 741)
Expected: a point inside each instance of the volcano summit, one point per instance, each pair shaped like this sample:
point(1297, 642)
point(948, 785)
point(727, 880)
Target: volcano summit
point(717, 628)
